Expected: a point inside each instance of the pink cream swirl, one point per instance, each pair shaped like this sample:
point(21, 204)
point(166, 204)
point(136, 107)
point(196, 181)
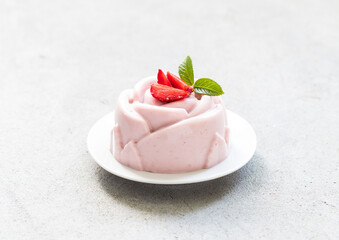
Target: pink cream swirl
point(180, 136)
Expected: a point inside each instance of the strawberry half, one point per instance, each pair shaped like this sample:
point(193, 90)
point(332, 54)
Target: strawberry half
point(162, 79)
point(178, 83)
point(167, 94)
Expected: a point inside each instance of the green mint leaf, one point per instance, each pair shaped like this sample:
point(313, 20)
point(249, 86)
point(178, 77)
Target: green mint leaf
point(186, 71)
point(207, 86)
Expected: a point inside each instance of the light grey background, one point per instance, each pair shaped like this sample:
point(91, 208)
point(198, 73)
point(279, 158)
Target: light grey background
point(63, 64)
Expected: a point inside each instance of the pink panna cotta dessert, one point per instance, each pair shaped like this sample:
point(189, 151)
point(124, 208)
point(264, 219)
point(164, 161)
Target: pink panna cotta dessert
point(169, 137)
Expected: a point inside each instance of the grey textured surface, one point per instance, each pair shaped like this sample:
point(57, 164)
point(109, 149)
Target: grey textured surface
point(63, 63)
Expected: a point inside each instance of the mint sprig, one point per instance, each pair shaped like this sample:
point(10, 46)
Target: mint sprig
point(207, 86)
point(186, 71)
point(204, 86)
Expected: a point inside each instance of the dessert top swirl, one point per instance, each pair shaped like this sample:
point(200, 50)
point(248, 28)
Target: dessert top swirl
point(139, 104)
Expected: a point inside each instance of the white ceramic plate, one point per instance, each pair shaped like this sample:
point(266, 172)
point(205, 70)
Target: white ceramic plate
point(242, 147)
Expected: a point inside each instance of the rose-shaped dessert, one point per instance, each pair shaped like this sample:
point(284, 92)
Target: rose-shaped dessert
point(169, 137)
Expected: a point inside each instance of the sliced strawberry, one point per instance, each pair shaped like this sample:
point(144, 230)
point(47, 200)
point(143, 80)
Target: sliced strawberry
point(162, 79)
point(167, 94)
point(178, 83)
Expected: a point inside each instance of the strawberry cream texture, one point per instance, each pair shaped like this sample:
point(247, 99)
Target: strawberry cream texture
point(175, 137)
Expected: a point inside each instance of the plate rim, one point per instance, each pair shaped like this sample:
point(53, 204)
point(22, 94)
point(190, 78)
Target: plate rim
point(178, 181)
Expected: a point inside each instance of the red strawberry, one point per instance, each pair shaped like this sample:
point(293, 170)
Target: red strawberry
point(162, 79)
point(178, 83)
point(167, 94)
